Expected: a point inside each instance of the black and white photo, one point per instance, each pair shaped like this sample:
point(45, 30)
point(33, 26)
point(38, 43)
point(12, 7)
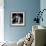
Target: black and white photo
point(17, 18)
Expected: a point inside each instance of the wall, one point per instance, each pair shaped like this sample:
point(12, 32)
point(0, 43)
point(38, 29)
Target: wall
point(43, 6)
point(1, 21)
point(30, 7)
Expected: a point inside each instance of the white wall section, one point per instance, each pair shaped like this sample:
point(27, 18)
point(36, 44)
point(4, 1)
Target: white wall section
point(1, 20)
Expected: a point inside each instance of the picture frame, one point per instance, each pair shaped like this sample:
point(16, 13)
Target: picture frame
point(17, 18)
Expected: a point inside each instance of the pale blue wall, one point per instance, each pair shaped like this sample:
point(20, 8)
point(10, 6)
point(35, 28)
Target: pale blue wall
point(43, 6)
point(30, 7)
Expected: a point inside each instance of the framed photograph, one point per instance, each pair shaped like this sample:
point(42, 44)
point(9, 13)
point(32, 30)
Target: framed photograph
point(17, 18)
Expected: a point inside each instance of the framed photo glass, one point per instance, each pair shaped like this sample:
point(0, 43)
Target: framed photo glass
point(17, 18)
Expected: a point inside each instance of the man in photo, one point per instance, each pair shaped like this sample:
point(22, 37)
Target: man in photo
point(17, 18)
